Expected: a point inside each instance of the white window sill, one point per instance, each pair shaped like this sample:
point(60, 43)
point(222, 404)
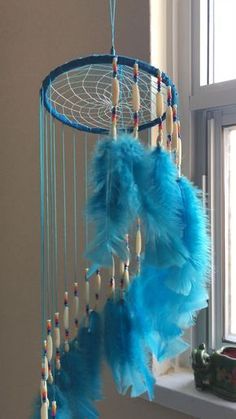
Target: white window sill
point(177, 391)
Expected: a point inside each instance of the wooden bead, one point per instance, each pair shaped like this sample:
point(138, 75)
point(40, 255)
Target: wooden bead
point(115, 91)
point(179, 153)
point(44, 410)
point(66, 317)
point(174, 142)
point(98, 283)
point(159, 104)
point(54, 408)
point(135, 97)
point(87, 292)
point(160, 137)
point(76, 307)
point(50, 378)
point(66, 346)
point(57, 337)
point(49, 347)
point(169, 120)
point(122, 268)
point(43, 389)
point(114, 131)
point(138, 244)
point(126, 277)
point(135, 132)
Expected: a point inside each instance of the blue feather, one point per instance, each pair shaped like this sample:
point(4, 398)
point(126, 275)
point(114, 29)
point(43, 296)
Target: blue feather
point(54, 393)
point(71, 390)
point(114, 201)
point(196, 240)
point(161, 210)
point(90, 347)
point(161, 314)
point(123, 350)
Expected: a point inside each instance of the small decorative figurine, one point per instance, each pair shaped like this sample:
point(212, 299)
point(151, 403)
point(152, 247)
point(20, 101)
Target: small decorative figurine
point(216, 372)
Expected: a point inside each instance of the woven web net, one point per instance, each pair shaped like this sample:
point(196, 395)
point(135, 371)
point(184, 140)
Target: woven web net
point(83, 96)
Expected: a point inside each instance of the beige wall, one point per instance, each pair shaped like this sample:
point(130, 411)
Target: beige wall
point(36, 36)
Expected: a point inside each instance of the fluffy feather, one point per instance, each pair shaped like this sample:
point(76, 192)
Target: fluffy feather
point(196, 240)
point(114, 201)
point(71, 390)
point(161, 210)
point(91, 352)
point(161, 314)
point(125, 356)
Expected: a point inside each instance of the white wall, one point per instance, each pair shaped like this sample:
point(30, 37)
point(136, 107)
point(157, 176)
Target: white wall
point(36, 36)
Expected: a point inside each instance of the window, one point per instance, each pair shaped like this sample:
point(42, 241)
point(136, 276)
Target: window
point(229, 139)
point(213, 107)
point(218, 61)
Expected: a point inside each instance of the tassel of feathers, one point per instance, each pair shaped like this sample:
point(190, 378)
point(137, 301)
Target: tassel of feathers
point(161, 206)
point(124, 354)
point(196, 240)
point(114, 201)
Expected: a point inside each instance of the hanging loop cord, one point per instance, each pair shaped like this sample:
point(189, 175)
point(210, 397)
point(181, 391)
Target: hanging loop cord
point(112, 4)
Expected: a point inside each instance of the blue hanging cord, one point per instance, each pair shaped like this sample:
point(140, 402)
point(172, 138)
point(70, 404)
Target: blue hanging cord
point(48, 250)
point(86, 184)
point(75, 210)
point(52, 230)
point(112, 4)
point(42, 216)
point(64, 206)
point(55, 218)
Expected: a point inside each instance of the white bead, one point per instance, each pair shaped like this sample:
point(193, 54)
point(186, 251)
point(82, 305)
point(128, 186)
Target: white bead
point(50, 378)
point(138, 244)
point(115, 91)
point(49, 347)
point(66, 346)
point(160, 137)
point(113, 131)
point(122, 268)
point(169, 120)
point(159, 104)
point(174, 142)
point(76, 306)
point(57, 337)
point(58, 364)
point(43, 388)
point(126, 278)
point(66, 317)
point(45, 366)
point(113, 268)
point(135, 97)
point(98, 283)
point(179, 153)
point(44, 411)
point(87, 293)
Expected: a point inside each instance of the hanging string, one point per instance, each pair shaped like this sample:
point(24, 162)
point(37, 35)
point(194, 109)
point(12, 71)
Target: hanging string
point(86, 184)
point(64, 207)
point(42, 215)
point(52, 213)
point(55, 219)
point(48, 250)
point(112, 4)
point(75, 211)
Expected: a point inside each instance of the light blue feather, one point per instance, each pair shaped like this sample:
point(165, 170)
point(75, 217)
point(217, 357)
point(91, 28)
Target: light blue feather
point(161, 314)
point(123, 351)
point(161, 210)
point(114, 202)
point(90, 348)
point(196, 239)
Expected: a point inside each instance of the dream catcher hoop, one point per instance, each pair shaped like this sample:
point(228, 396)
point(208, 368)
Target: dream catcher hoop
point(142, 236)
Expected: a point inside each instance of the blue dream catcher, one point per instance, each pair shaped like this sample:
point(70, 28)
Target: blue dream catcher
point(116, 211)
